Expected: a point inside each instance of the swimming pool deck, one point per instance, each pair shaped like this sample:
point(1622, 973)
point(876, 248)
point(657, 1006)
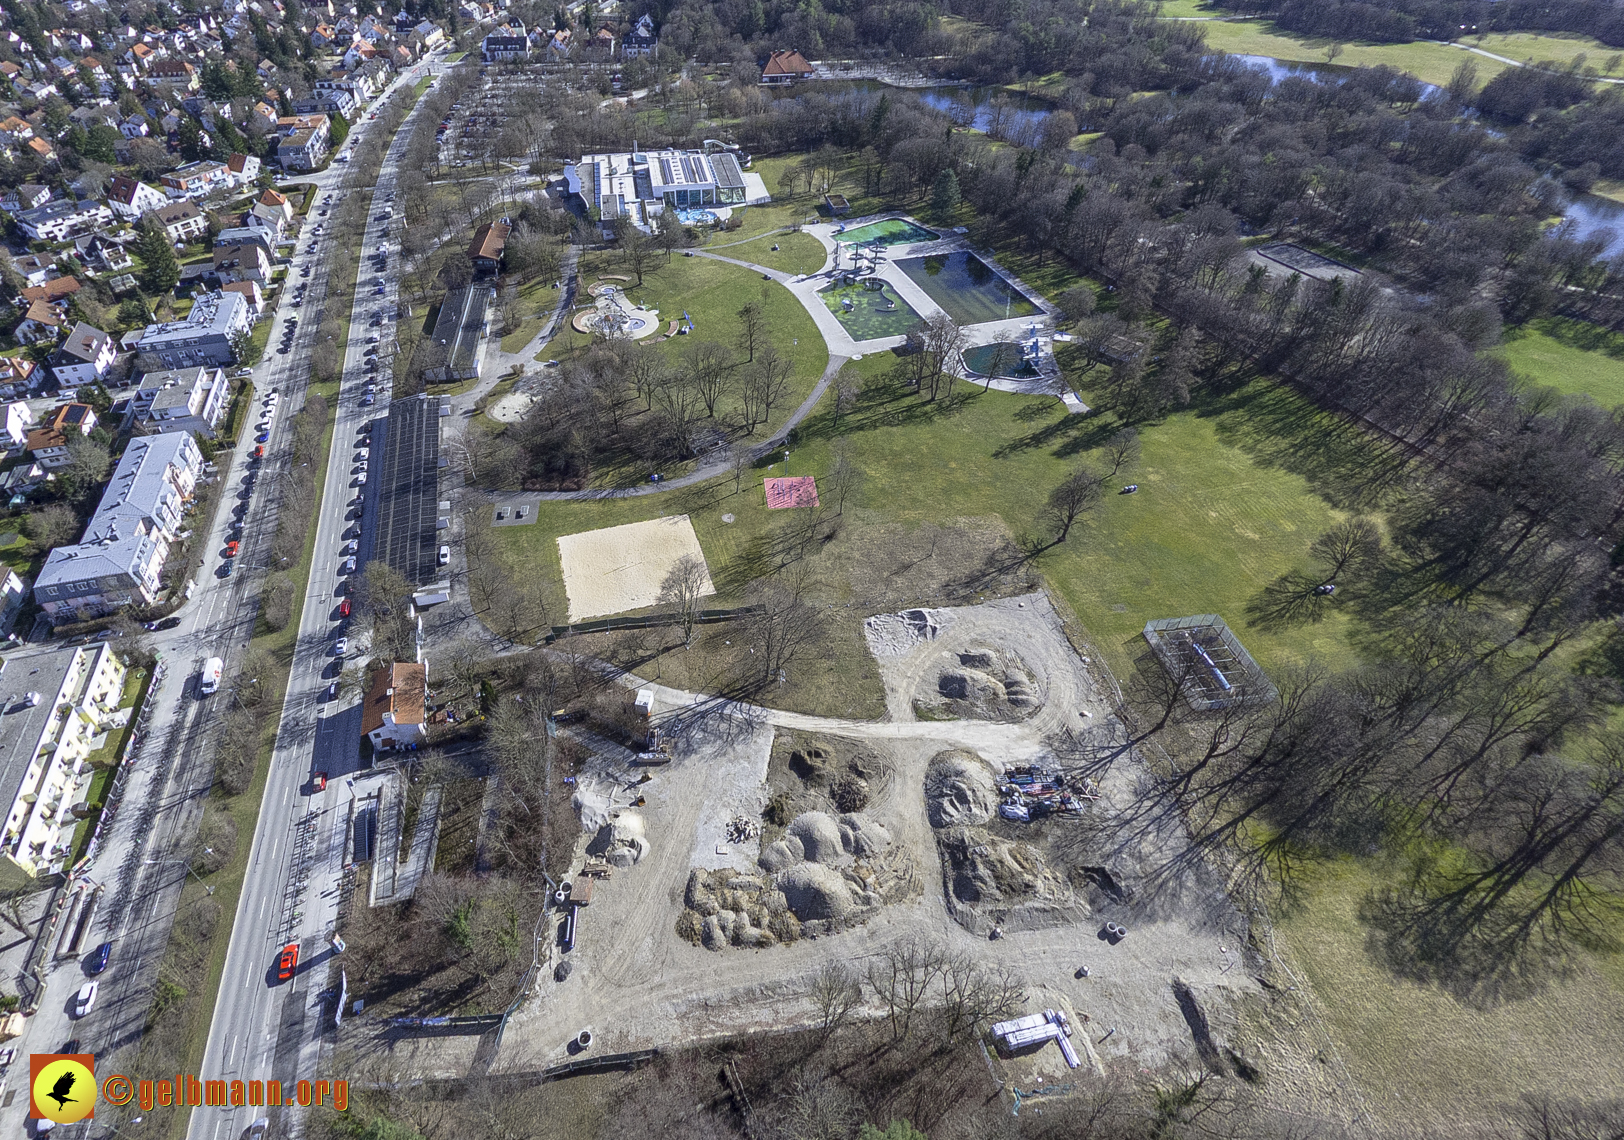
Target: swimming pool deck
point(806, 289)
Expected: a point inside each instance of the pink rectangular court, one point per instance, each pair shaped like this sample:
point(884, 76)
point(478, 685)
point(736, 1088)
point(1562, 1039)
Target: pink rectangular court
point(795, 491)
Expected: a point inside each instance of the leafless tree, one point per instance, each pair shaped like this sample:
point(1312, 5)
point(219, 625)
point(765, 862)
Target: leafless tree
point(739, 463)
point(837, 995)
point(708, 365)
point(781, 631)
point(752, 329)
point(1351, 546)
point(972, 993)
point(679, 399)
point(848, 386)
point(902, 977)
point(1078, 495)
point(682, 589)
point(637, 250)
point(1121, 450)
point(943, 341)
point(818, 1108)
point(645, 366)
point(764, 386)
point(843, 479)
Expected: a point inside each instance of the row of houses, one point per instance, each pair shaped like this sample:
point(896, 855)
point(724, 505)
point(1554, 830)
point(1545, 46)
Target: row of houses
point(510, 43)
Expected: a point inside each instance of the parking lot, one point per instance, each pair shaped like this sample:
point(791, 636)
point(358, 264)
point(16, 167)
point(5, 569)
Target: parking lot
point(403, 491)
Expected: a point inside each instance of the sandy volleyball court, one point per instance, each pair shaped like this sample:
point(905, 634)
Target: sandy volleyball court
point(620, 568)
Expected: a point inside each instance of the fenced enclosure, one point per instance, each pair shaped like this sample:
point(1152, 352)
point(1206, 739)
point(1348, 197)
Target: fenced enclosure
point(1208, 662)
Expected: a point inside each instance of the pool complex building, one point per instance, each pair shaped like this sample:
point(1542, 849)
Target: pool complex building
point(639, 184)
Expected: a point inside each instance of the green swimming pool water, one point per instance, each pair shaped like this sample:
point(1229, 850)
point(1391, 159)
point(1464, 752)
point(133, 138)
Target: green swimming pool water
point(980, 361)
point(892, 231)
point(966, 289)
point(869, 317)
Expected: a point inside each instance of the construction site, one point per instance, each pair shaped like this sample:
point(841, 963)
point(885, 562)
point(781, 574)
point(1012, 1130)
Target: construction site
point(720, 872)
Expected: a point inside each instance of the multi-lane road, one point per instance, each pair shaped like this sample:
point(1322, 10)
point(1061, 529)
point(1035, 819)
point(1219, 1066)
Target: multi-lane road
point(264, 1028)
point(144, 859)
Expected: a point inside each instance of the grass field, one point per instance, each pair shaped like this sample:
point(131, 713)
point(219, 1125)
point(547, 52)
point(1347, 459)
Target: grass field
point(1220, 513)
point(796, 253)
point(1570, 356)
point(1425, 1058)
point(1431, 62)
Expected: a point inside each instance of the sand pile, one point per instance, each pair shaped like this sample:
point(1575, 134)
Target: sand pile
point(726, 908)
point(815, 892)
point(993, 881)
point(892, 635)
point(621, 842)
point(980, 683)
point(961, 789)
point(818, 837)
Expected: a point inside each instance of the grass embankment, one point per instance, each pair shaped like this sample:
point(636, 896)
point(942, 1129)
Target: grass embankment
point(104, 760)
point(1426, 60)
point(1574, 357)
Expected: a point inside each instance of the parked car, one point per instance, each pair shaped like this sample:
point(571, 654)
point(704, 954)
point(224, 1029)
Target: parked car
point(445, 555)
point(288, 962)
point(340, 646)
point(344, 608)
point(319, 780)
point(231, 548)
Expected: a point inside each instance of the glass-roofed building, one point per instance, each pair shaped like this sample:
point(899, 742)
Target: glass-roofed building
point(639, 184)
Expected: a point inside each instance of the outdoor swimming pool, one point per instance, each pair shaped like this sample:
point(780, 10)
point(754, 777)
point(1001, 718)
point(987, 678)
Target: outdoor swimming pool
point(869, 317)
point(966, 289)
point(695, 217)
point(892, 231)
point(1014, 367)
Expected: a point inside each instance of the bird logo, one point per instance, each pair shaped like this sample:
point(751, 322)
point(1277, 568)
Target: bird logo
point(64, 1086)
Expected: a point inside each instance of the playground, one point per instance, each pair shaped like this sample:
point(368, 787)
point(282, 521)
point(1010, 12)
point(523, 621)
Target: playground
point(613, 316)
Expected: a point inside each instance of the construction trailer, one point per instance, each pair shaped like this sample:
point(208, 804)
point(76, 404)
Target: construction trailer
point(1033, 1030)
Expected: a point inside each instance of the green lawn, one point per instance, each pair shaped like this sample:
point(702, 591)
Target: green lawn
point(1427, 1058)
point(1431, 62)
point(1570, 356)
point(796, 253)
point(1226, 504)
point(17, 553)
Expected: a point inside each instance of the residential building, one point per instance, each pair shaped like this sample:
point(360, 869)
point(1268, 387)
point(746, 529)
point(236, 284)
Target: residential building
point(134, 127)
point(14, 592)
point(395, 714)
point(204, 337)
point(100, 251)
point(244, 169)
point(499, 47)
point(15, 131)
point(196, 179)
point(430, 33)
point(175, 73)
point(36, 268)
point(65, 705)
point(641, 40)
point(262, 236)
point(18, 374)
point(41, 321)
point(490, 240)
point(640, 184)
point(54, 291)
point(250, 292)
point(18, 417)
point(242, 261)
point(182, 221)
point(25, 197)
point(301, 150)
point(130, 198)
point(119, 560)
point(85, 357)
point(559, 43)
point(49, 444)
point(183, 399)
point(272, 205)
point(785, 67)
point(59, 221)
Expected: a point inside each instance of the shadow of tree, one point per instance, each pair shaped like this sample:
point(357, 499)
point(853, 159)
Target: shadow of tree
point(1290, 600)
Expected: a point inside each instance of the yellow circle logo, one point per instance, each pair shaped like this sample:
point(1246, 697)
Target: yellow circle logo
point(65, 1091)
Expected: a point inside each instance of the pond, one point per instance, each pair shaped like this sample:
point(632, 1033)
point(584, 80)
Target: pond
point(966, 288)
point(1008, 360)
point(1591, 214)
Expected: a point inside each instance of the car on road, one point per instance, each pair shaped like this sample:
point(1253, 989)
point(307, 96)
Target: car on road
point(367, 401)
point(340, 646)
point(288, 962)
point(231, 549)
point(319, 780)
point(85, 1000)
point(445, 555)
point(332, 691)
point(344, 608)
point(166, 623)
point(97, 962)
point(263, 437)
point(257, 453)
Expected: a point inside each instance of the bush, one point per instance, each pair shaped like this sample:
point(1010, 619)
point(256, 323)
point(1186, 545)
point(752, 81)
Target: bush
point(779, 810)
point(277, 607)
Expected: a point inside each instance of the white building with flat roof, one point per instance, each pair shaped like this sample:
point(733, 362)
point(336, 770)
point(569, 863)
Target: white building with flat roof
point(204, 337)
point(182, 399)
point(56, 712)
point(639, 184)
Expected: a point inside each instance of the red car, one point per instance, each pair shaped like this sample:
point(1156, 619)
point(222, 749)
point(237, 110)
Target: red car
point(320, 782)
point(286, 964)
point(231, 549)
point(258, 452)
point(344, 608)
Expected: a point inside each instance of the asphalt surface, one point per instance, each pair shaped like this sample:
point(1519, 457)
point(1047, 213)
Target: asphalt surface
point(263, 1028)
point(146, 850)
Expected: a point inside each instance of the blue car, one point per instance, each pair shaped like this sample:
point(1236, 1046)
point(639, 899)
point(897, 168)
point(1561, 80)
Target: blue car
point(97, 962)
point(262, 437)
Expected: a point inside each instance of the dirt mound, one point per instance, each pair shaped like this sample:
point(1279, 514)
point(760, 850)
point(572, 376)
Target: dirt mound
point(861, 837)
point(992, 881)
point(961, 789)
point(978, 683)
point(818, 893)
point(820, 837)
point(892, 635)
point(620, 843)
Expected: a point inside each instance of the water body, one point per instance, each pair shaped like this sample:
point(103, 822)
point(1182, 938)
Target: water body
point(1279, 69)
point(992, 110)
point(1591, 214)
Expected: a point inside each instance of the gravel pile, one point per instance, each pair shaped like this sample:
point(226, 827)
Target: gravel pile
point(892, 635)
point(961, 789)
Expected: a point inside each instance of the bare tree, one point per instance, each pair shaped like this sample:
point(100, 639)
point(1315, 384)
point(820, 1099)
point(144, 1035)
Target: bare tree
point(637, 249)
point(1121, 450)
point(764, 386)
point(837, 995)
point(943, 340)
point(1350, 546)
point(645, 366)
point(739, 462)
point(752, 329)
point(685, 583)
point(708, 365)
point(844, 478)
point(972, 993)
point(901, 978)
point(848, 386)
point(1068, 502)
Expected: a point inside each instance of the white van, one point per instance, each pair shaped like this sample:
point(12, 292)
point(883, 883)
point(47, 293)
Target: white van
point(209, 680)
